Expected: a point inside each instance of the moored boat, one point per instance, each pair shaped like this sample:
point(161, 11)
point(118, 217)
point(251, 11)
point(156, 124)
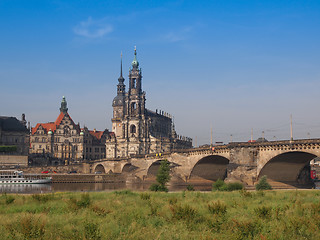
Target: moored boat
point(18, 177)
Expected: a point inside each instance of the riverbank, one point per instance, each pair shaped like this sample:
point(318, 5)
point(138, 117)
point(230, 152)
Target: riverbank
point(184, 215)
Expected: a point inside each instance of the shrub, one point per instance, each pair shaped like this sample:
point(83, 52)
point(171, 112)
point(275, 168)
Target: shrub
point(220, 185)
point(145, 196)
point(217, 208)
point(99, 210)
point(173, 200)
point(30, 227)
point(263, 184)
point(155, 187)
point(263, 211)
point(9, 199)
point(124, 192)
point(217, 185)
point(190, 187)
point(42, 198)
point(185, 212)
point(8, 148)
point(235, 186)
point(84, 201)
point(245, 193)
point(246, 229)
point(91, 231)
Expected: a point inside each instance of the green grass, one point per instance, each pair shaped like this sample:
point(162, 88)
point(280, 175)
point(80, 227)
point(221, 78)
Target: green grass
point(154, 215)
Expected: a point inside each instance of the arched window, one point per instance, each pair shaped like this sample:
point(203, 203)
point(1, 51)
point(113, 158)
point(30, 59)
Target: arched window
point(133, 129)
point(133, 106)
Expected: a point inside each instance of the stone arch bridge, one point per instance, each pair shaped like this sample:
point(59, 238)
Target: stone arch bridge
point(282, 161)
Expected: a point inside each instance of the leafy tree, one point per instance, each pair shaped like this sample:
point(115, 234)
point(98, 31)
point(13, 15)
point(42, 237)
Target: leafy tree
point(163, 177)
point(263, 184)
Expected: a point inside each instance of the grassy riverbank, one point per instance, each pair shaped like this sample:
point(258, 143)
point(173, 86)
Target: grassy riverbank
point(184, 215)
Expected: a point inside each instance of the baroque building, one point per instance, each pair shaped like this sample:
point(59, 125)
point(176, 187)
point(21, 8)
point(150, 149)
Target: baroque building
point(63, 139)
point(135, 129)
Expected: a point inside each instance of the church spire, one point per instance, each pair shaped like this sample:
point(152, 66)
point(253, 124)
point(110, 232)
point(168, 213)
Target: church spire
point(121, 87)
point(121, 68)
point(63, 107)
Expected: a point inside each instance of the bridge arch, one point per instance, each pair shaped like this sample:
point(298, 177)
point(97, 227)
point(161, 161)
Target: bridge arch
point(289, 167)
point(153, 169)
point(128, 167)
point(99, 169)
point(212, 167)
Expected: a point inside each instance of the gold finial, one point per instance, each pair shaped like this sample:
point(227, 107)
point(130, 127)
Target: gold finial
point(135, 48)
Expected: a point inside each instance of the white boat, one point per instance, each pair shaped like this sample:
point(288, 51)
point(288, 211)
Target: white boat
point(17, 177)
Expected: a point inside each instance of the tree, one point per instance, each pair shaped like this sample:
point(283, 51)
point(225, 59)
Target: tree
point(163, 177)
point(263, 184)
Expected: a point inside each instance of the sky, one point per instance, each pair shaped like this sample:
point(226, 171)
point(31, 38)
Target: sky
point(230, 65)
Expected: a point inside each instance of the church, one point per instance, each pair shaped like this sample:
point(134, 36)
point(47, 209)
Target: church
point(137, 130)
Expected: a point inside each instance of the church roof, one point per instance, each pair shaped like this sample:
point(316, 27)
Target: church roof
point(11, 124)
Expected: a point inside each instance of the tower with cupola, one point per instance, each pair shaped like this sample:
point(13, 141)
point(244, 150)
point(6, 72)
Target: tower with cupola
point(135, 129)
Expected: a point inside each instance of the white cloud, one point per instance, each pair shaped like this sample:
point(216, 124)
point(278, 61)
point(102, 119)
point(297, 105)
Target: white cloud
point(93, 28)
point(179, 35)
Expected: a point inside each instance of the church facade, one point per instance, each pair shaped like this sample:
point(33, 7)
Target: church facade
point(63, 139)
point(135, 129)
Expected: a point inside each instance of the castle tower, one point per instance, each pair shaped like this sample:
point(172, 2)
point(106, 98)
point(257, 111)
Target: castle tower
point(63, 107)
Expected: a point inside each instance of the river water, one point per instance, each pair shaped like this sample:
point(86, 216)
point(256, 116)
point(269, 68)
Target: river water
point(87, 187)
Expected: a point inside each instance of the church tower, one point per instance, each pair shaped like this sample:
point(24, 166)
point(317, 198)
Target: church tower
point(118, 105)
point(136, 128)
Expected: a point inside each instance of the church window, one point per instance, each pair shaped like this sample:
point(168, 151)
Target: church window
point(132, 129)
point(40, 146)
point(133, 83)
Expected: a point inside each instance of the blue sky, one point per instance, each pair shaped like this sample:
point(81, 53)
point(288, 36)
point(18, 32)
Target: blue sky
point(233, 65)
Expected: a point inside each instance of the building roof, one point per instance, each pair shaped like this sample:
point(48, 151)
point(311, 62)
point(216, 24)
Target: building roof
point(53, 125)
point(96, 134)
point(12, 124)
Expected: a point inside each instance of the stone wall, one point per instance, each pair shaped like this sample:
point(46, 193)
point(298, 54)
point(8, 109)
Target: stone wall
point(13, 161)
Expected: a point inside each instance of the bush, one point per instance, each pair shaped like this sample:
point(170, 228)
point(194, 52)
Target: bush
point(190, 187)
point(263, 211)
point(185, 212)
point(217, 185)
point(217, 208)
point(42, 198)
point(8, 148)
point(263, 184)
point(9, 199)
point(220, 185)
point(91, 231)
point(235, 186)
point(145, 196)
point(155, 187)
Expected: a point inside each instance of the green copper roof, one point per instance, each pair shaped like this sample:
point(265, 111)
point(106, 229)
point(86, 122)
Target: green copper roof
point(135, 63)
point(63, 107)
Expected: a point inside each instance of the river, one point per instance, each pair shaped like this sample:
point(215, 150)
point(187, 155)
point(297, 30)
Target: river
point(87, 187)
